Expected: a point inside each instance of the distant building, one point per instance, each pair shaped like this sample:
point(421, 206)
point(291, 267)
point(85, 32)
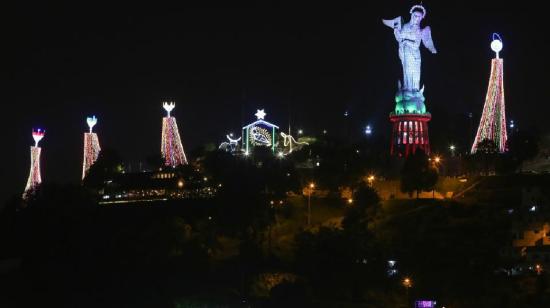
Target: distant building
point(538, 255)
point(531, 230)
point(156, 186)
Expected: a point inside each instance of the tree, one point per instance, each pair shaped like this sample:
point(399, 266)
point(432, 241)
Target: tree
point(522, 146)
point(418, 174)
point(155, 161)
point(487, 153)
point(366, 206)
point(108, 164)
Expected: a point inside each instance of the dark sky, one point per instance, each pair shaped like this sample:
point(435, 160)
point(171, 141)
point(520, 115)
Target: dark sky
point(220, 63)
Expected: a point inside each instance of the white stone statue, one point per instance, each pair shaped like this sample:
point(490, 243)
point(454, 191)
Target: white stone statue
point(409, 37)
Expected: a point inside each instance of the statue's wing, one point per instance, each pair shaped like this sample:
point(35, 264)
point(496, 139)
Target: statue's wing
point(393, 23)
point(427, 39)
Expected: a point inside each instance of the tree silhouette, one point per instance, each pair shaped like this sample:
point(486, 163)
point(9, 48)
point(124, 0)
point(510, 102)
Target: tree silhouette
point(108, 164)
point(418, 174)
point(487, 153)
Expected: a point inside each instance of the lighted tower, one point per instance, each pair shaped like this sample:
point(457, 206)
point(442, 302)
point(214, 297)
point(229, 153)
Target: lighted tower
point(171, 147)
point(34, 175)
point(91, 146)
point(492, 125)
point(410, 118)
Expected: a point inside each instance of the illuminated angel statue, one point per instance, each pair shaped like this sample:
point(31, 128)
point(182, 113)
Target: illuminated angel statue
point(409, 37)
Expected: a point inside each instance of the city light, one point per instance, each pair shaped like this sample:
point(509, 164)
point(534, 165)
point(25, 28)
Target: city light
point(310, 190)
point(407, 282)
point(371, 179)
point(538, 269)
point(368, 130)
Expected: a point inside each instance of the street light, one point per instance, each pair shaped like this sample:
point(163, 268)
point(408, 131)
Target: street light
point(370, 179)
point(452, 147)
point(310, 190)
point(368, 130)
point(407, 283)
point(538, 269)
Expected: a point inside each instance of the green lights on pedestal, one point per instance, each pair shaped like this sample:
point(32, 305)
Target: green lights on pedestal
point(409, 102)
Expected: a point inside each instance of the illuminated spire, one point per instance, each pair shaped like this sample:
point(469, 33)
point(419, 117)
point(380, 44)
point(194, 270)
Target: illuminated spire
point(171, 147)
point(91, 147)
point(35, 178)
point(492, 125)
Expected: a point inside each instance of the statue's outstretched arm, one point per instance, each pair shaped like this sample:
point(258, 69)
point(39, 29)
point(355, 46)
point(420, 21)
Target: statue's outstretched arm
point(393, 23)
point(427, 39)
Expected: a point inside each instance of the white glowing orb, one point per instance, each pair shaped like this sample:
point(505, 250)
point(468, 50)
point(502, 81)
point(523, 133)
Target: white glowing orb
point(496, 45)
point(92, 121)
point(169, 106)
point(260, 114)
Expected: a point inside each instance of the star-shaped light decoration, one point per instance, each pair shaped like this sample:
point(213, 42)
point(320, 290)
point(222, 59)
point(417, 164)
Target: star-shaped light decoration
point(260, 114)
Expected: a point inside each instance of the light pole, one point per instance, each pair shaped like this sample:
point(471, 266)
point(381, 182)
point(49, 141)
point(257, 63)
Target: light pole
point(436, 161)
point(310, 190)
point(538, 269)
point(452, 147)
point(370, 179)
point(407, 283)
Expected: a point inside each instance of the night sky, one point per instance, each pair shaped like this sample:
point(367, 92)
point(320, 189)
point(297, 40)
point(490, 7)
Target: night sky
point(308, 63)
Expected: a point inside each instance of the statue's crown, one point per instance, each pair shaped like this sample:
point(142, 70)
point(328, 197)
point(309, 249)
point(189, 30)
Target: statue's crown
point(418, 7)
